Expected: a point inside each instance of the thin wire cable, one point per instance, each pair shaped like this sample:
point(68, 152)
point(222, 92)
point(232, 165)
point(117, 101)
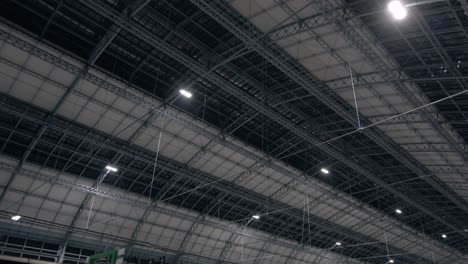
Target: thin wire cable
point(279, 210)
point(376, 123)
point(204, 107)
point(303, 223)
point(90, 212)
point(206, 184)
point(308, 219)
point(354, 94)
point(386, 244)
point(154, 167)
point(69, 164)
point(93, 198)
point(104, 221)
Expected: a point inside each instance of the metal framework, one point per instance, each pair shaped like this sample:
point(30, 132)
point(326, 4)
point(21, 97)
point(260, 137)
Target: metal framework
point(252, 139)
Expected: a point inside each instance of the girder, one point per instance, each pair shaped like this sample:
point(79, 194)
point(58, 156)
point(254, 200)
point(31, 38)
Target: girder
point(272, 89)
point(219, 13)
point(232, 90)
point(102, 83)
point(173, 170)
point(180, 169)
point(95, 54)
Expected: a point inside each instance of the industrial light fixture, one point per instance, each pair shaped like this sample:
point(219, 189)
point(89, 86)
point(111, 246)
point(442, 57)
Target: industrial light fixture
point(111, 168)
point(324, 170)
point(256, 217)
point(338, 244)
point(444, 236)
point(16, 217)
point(398, 211)
point(397, 9)
point(185, 93)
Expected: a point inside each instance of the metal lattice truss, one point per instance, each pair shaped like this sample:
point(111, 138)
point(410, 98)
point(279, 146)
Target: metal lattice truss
point(91, 83)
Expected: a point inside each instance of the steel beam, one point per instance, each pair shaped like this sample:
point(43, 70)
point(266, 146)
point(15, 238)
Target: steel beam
point(131, 10)
point(104, 42)
point(97, 51)
point(226, 17)
point(139, 100)
point(191, 174)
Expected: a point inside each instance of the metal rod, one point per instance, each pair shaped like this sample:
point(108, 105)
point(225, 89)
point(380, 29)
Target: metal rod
point(308, 217)
point(354, 94)
point(377, 123)
point(204, 107)
point(92, 199)
point(155, 165)
point(386, 244)
point(105, 221)
point(90, 211)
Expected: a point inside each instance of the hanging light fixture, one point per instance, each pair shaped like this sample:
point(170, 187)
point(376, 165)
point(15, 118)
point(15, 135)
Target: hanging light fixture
point(185, 93)
point(397, 9)
point(111, 168)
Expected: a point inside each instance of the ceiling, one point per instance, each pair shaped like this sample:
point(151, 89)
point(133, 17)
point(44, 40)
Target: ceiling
point(281, 90)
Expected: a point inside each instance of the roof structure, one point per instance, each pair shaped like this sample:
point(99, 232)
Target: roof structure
point(317, 131)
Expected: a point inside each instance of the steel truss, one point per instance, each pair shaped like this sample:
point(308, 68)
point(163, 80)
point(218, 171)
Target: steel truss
point(100, 82)
point(226, 17)
point(181, 170)
point(289, 187)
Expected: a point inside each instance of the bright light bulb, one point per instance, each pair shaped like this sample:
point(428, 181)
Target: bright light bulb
point(185, 93)
point(16, 217)
point(397, 9)
point(398, 211)
point(256, 217)
point(338, 243)
point(325, 171)
point(111, 168)
point(391, 261)
point(444, 236)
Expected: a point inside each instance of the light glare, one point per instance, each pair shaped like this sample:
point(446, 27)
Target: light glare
point(256, 217)
point(185, 93)
point(16, 217)
point(111, 168)
point(325, 171)
point(398, 211)
point(444, 236)
point(391, 261)
point(397, 9)
point(338, 243)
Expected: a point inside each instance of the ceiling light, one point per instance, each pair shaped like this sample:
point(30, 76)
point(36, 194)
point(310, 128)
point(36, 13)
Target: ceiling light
point(398, 211)
point(16, 217)
point(444, 236)
point(397, 9)
point(325, 171)
point(111, 168)
point(185, 93)
point(256, 217)
point(338, 243)
point(391, 261)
